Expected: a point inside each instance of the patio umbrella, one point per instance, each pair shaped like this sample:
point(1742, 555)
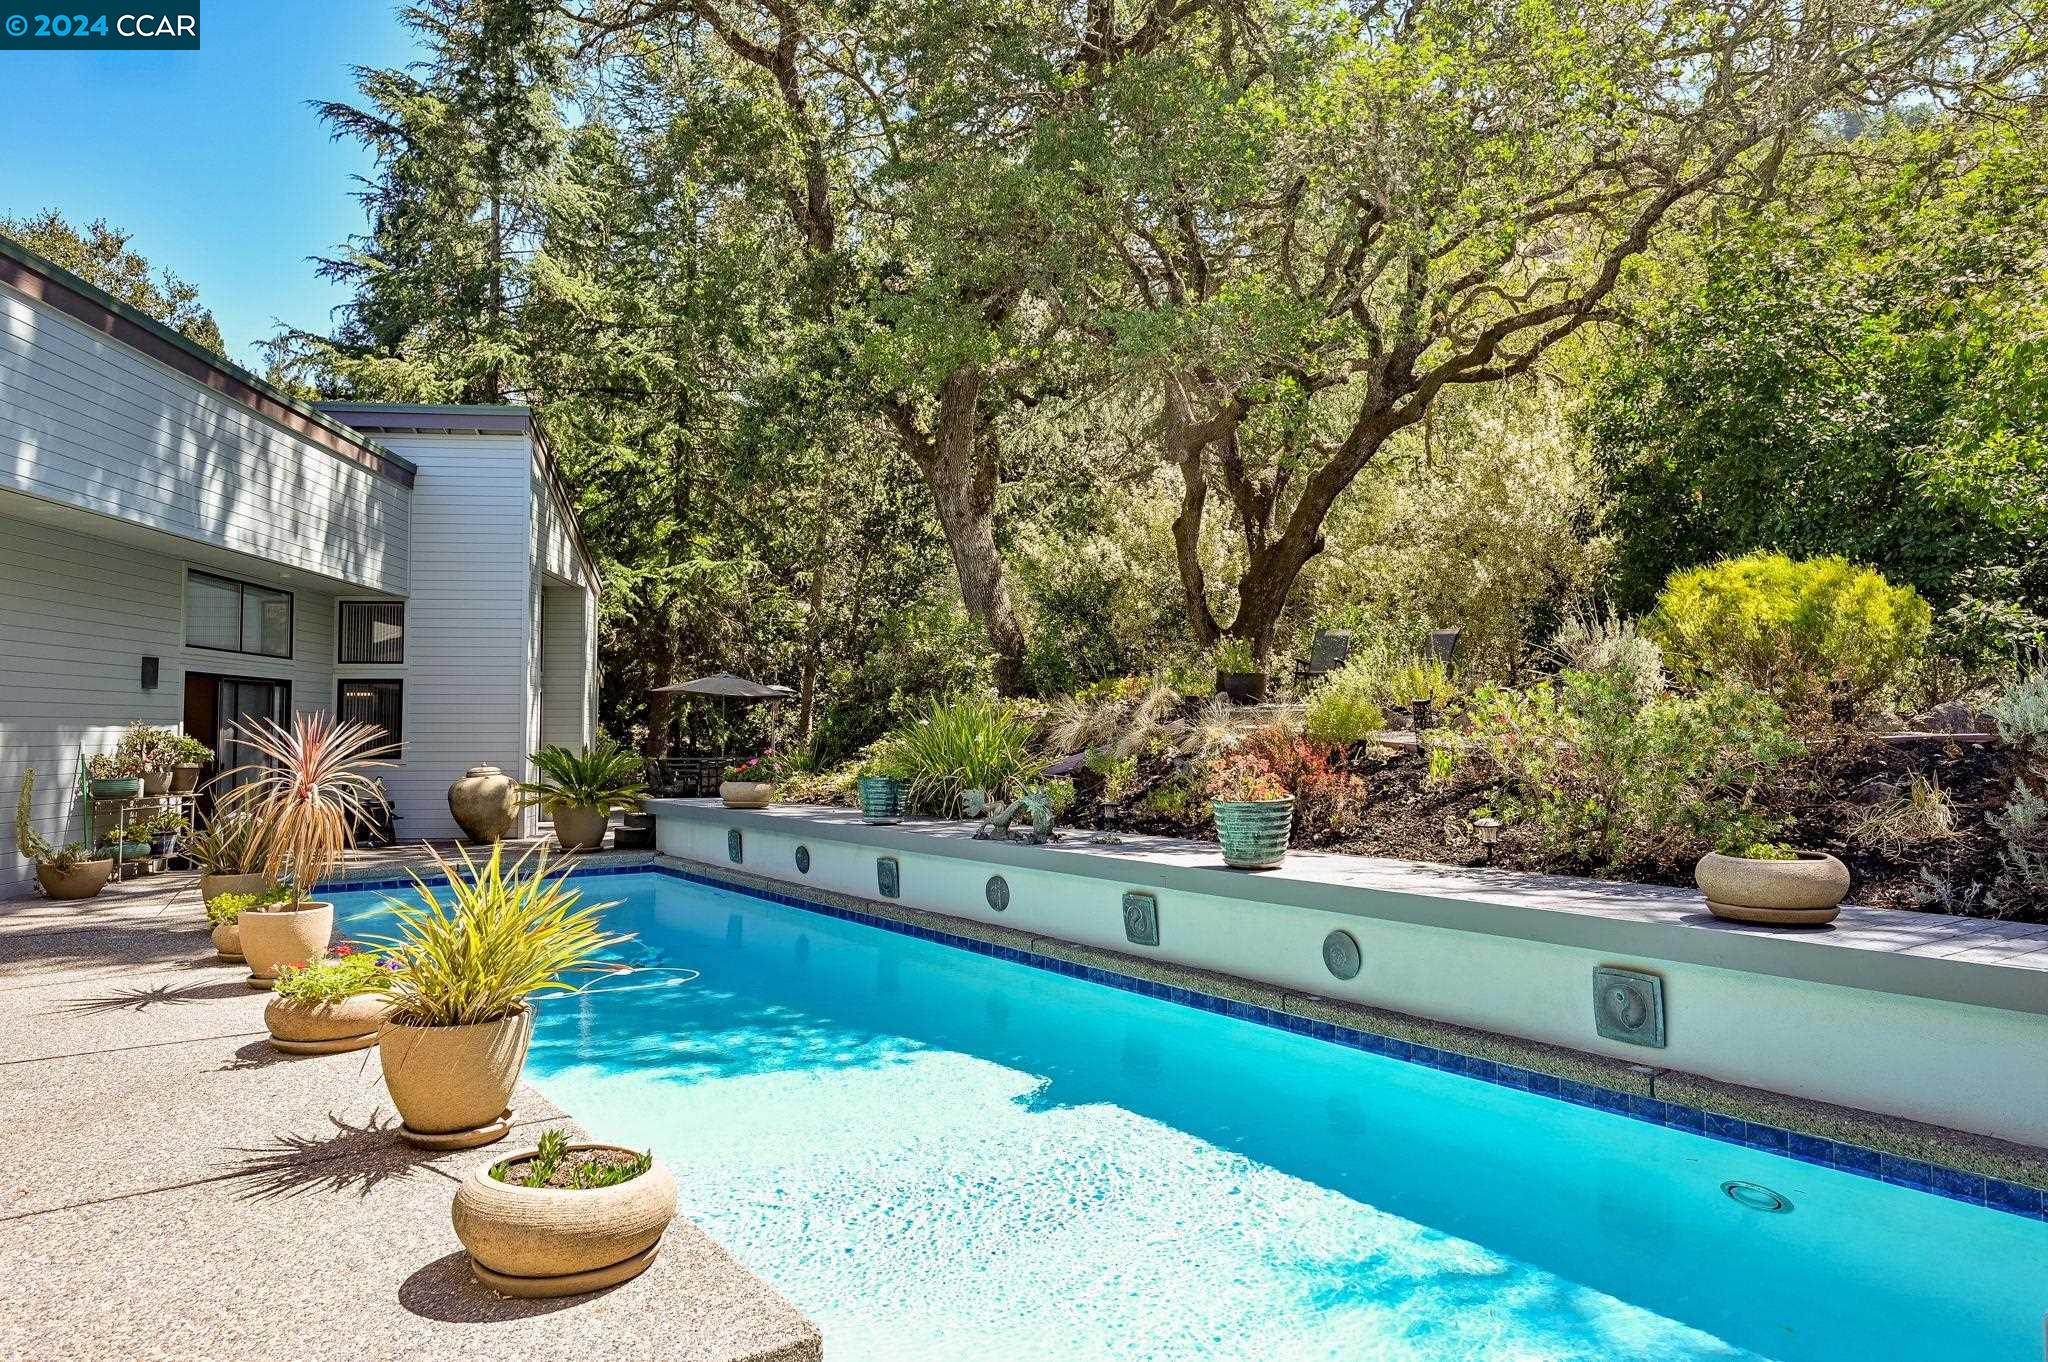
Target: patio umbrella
point(728, 689)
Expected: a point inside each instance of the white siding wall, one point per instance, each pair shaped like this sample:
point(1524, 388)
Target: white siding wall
point(554, 540)
point(568, 671)
point(469, 620)
point(87, 422)
point(77, 616)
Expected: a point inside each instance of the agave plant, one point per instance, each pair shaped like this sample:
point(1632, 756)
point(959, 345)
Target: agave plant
point(308, 794)
point(477, 948)
point(603, 776)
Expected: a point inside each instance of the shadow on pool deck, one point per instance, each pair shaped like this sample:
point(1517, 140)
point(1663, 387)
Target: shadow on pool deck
point(171, 1187)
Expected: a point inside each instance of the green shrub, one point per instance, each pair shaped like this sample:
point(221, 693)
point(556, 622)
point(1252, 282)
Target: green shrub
point(1804, 633)
point(969, 743)
point(1119, 774)
point(1612, 781)
point(1338, 716)
point(2021, 712)
point(1593, 641)
point(347, 974)
point(1234, 656)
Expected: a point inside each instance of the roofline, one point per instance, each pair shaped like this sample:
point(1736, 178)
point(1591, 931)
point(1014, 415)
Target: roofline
point(55, 287)
point(511, 418)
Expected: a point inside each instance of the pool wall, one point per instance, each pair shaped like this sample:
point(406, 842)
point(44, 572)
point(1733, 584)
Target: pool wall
point(1953, 1042)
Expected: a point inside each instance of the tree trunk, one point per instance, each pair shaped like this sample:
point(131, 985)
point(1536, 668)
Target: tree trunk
point(814, 637)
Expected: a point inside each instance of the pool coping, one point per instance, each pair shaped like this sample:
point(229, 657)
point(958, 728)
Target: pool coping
point(1977, 962)
point(1974, 1169)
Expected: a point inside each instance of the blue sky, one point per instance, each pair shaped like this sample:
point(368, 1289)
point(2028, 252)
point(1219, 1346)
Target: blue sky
point(211, 158)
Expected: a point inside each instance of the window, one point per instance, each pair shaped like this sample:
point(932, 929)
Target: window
point(237, 617)
point(372, 631)
point(373, 702)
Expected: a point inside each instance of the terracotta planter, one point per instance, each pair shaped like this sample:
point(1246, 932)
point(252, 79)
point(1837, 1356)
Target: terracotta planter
point(325, 1028)
point(82, 881)
point(293, 936)
point(580, 827)
point(485, 803)
point(746, 794)
point(227, 940)
point(1254, 833)
point(453, 1085)
point(212, 887)
point(556, 1241)
point(185, 777)
point(1802, 893)
point(157, 782)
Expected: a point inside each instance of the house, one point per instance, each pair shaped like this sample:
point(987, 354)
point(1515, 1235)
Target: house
point(184, 544)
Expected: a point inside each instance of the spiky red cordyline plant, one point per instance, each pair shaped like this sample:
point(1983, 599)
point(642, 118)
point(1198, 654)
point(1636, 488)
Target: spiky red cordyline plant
point(308, 793)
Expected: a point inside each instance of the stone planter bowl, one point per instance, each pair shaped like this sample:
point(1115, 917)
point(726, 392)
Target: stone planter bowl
point(1254, 833)
point(227, 940)
point(274, 938)
point(556, 1241)
point(157, 781)
point(325, 1028)
point(485, 803)
point(82, 881)
point(580, 827)
point(882, 799)
point(1803, 893)
point(453, 1085)
point(746, 794)
point(212, 887)
point(185, 777)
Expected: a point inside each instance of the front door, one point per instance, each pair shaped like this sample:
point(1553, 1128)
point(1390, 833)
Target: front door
point(218, 708)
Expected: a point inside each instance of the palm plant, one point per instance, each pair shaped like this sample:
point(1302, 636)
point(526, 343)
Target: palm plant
point(477, 949)
point(603, 776)
point(308, 794)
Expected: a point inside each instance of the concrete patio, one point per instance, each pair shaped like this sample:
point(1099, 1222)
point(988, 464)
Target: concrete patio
point(170, 1187)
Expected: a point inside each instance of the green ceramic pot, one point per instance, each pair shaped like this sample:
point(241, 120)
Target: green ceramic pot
point(1254, 834)
point(119, 787)
point(882, 799)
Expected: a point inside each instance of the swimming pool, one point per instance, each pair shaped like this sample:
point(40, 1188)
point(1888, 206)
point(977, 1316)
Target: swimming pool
point(938, 1155)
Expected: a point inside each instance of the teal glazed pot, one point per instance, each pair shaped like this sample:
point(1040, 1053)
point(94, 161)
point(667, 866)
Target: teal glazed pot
point(1254, 834)
point(882, 799)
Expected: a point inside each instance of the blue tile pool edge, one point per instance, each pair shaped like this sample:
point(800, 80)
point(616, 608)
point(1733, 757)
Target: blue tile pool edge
point(1975, 1189)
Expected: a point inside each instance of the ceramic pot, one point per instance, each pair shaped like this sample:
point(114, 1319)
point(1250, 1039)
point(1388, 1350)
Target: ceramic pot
point(185, 777)
point(82, 881)
point(1254, 833)
point(1806, 892)
point(746, 794)
point(557, 1241)
point(453, 1085)
point(212, 887)
point(1243, 688)
point(485, 803)
point(275, 938)
point(580, 827)
point(156, 781)
point(882, 799)
point(227, 940)
point(117, 787)
point(325, 1028)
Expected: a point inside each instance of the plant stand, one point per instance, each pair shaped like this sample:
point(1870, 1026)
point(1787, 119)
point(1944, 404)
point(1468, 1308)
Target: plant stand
point(114, 815)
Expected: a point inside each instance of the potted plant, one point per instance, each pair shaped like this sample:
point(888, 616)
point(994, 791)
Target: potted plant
point(333, 1005)
point(225, 911)
point(188, 759)
point(109, 775)
point(129, 847)
point(579, 791)
point(228, 850)
point(1769, 883)
point(163, 829)
point(1254, 812)
point(151, 750)
point(66, 872)
point(884, 783)
point(1237, 672)
point(307, 791)
point(750, 784)
point(563, 1218)
point(472, 956)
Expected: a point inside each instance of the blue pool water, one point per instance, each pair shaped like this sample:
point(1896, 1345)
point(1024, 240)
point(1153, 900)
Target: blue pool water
point(941, 1156)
